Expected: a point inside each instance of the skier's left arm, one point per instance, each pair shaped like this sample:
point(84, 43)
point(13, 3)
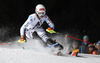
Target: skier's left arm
point(49, 22)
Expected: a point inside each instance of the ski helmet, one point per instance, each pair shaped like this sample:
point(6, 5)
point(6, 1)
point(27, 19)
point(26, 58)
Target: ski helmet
point(40, 10)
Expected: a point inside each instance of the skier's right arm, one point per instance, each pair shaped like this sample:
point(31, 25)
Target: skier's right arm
point(22, 29)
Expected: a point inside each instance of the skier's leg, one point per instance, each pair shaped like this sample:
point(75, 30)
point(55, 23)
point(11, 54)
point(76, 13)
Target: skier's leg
point(29, 34)
point(51, 42)
point(42, 34)
point(46, 39)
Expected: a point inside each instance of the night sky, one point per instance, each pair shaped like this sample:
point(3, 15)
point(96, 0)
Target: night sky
point(80, 17)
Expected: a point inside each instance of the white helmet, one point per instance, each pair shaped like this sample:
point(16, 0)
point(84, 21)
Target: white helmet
point(40, 10)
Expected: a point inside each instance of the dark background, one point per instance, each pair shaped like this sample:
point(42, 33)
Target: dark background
point(78, 17)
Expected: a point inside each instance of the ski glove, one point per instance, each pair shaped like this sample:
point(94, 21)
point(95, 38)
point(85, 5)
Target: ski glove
point(22, 40)
point(50, 30)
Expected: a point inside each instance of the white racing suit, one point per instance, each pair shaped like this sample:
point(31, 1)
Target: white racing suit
point(33, 24)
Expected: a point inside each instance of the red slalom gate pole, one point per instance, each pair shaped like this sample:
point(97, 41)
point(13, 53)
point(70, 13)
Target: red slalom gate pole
point(4, 43)
point(78, 39)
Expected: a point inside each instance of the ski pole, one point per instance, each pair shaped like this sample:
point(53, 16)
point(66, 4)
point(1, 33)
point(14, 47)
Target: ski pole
point(52, 31)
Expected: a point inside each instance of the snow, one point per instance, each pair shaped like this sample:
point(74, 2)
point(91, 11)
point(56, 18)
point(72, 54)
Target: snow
point(29, 56)
point(14, 53)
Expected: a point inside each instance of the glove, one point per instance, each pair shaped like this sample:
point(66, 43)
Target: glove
point(22, 40)
point(50, 28)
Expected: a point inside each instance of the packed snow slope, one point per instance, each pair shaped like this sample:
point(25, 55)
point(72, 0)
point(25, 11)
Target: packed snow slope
point(14, 53)
point(28, 56)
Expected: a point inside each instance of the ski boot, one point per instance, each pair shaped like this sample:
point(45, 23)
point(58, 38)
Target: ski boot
point(53, 43)
point(55, 47)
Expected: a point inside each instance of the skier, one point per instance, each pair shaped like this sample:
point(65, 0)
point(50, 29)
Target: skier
point(33, 24)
